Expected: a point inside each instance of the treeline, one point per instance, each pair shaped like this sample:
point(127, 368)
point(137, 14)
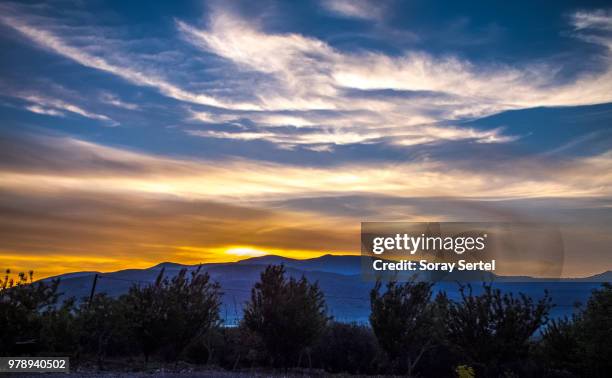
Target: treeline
point(285, 325)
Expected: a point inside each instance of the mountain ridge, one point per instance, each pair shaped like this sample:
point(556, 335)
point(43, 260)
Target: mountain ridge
point(346, 291)
point(340, 264)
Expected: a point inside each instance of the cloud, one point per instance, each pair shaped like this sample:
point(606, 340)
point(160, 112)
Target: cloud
point(599, 19)
point(325, 139)
point(361, 9)
point(65, 202)
point(46, 111)
point(293, 90)
point(80, 230)
point(57, 107)
point(69, 224)
point(304, 75)
point(70, 164)
point(135, 75)
point(109, 98)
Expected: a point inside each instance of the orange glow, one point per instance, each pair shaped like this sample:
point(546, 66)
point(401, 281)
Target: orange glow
point(49, 265)
point(242, 252)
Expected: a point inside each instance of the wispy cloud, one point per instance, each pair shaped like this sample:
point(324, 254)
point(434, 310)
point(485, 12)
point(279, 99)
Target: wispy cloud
point(111, 99)
point(600, 19)
point(292, 89)
point(42, 110)
point(57, 107)
point(119, 200)
point(306, 74)
point(362, 9)
point(52, 42)
point(317, 138)
point(69, 164)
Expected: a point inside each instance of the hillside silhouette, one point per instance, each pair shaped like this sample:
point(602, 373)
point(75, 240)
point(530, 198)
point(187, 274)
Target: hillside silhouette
point(346, 292)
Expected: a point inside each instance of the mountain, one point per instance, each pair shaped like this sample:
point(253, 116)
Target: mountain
point(346, 292)
point(340, 264)
point(601, 277)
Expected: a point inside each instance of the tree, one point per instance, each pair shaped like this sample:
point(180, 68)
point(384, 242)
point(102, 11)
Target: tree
point(59, 334)
point(347, 348)
point(559, 347)
point(581, 345)
point(492, 331)
point(286, 315)
point(404, 321)
point(167, 315)
point(22, 302)
point(102, 327)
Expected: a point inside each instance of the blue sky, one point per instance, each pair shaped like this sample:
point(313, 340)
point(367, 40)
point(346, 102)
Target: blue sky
point(318, 114)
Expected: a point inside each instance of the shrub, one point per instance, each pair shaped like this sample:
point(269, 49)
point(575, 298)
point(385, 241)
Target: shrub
point(404, 321)
point(492, 331)
point(595, 332)
point(22, 302)
point(167, 315)
point(103, 328)
point(581, 345)
point(58, 335)
point(229, 347)
point(347, 348)
point(285, 315)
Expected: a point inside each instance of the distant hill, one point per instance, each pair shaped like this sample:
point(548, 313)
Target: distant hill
point(601, 277)
point(345, 265)
point(347, 293)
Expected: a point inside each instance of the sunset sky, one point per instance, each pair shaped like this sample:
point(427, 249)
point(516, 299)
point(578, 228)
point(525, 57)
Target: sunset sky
point(134, 133)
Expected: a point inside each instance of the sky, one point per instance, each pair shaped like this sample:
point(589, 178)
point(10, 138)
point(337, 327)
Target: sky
point(133, 133)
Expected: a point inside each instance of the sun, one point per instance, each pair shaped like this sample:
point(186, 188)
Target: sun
point(245, 252)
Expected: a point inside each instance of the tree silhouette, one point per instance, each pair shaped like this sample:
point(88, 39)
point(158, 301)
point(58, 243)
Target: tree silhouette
point(286, 315)
point(21, 304)
point(167, 315)
point(581, 345)
point(347, 348)
point(103, 327)
point(403, 319)
point(492, 331)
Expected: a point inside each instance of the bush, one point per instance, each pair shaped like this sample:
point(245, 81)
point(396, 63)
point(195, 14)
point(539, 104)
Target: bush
point(22, 302)
point(559, 348)
point(103, 328)
point(405, 322)
point(168, 315)
point(492, 331)
point(58, 335)
point(285, 324)
point(285, 315)
point(581, 345)
point(595, 332)
point(347, 348)
point(230, 347)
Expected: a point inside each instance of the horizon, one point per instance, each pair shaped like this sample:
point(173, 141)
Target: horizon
point(278, 256)
point(203, 131)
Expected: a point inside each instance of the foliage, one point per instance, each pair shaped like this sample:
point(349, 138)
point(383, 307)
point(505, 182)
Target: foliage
point(347, 348)
point(21, 303)
point(492, 331)
point(464, 371)
point(286, 314)
point(103, 328)
point(230, 347)
point(404, 321)
point(167, 315)
point(581, 345)
point(285, 324)
point(58, 334)
point(595, 331)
